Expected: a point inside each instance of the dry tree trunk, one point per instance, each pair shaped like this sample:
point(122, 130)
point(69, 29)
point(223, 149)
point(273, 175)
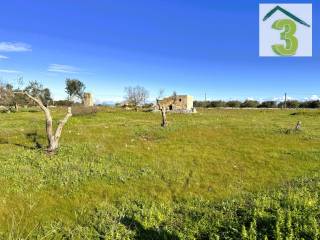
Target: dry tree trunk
point(164, 116)
point(54, 142)
point(16, 107)
point(53, 139)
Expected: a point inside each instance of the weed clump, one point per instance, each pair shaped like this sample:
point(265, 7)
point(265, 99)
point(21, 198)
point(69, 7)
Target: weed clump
point(83, 111)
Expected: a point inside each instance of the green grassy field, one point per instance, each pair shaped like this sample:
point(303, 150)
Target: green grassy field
point(121, 170)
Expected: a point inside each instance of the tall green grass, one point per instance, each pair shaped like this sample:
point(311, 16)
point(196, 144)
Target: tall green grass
point(120, 175)
point(291, 212)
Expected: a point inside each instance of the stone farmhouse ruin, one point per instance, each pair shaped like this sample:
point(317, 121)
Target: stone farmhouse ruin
point(87, 100)
point(177, 103)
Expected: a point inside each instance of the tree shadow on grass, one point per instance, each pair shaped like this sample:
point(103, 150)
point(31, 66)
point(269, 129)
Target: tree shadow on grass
point(143, 233)
point(32, 136)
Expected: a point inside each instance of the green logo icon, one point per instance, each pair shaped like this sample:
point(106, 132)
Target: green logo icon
point(291, 46)
point(287, 25)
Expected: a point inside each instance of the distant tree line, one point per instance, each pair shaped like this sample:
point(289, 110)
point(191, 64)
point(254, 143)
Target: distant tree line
point(34, 89)
point(257, 104)
point(74, 89)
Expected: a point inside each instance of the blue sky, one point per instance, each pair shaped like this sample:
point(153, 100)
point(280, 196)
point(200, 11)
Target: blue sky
point(189, 46)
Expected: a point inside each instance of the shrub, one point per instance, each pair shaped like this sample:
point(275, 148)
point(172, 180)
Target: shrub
point(215, 104)
point(268, 104)
point(82, 110)
point(209, 104)
point(233, 104)
point(310, 104)
point(290, 104)
point(147, 105)
point(249, 104)
point(203, 104)
point(30, 109)
point(63, 103)
point(118, 105)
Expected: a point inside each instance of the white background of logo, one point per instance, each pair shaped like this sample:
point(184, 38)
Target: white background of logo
point(269, 36)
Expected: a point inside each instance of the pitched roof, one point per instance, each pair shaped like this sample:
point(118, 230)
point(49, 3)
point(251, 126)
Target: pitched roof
point(278, 8)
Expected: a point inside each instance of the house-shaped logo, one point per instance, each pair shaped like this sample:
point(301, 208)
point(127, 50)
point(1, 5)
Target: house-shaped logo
point(285, 30)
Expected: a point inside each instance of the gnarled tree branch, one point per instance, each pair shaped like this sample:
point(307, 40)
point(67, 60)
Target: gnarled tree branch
point(53, 139)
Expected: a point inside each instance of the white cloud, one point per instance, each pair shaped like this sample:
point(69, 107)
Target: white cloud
point(281, 99)
point(313, 98)
point(14, 47)
point(62, 68)
point(9, 71)
point(250, 99)
point(3, 57)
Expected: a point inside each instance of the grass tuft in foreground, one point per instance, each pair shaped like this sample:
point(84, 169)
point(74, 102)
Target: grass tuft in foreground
point(291, 212)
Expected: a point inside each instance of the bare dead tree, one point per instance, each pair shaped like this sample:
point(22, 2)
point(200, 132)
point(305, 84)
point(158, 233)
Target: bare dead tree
point(53, 138)
point(136, 96)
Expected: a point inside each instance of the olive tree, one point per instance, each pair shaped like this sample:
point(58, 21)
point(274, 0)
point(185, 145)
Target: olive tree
point(53, 137)
point(162, 109)
point(75, 88)
point(36, 89)
point(6, 94)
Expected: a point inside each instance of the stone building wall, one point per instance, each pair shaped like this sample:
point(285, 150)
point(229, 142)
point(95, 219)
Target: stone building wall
point(179, 102)
point(87, 100)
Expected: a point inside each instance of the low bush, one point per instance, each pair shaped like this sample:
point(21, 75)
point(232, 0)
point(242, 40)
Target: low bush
point(30, 109)
point(147, 105)
point(268, 104)
point(82, 110)
point(214, 104)
point(310, 104)
point(256, 104)
point(289, 104)
point(63, 103)
point(249, 104)
point(203, 104)
point(233, 104)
